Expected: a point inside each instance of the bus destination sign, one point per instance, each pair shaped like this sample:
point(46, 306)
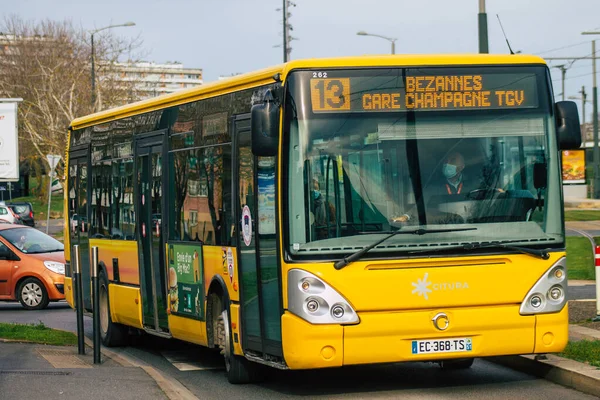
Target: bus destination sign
point(423, 93)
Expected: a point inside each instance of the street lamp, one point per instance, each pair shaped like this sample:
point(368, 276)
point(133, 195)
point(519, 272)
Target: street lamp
point(393, 40)
point(92, 33)
point(596, 153)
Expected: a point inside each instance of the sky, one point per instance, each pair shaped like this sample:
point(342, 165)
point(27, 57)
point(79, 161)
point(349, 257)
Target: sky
point(224, 37)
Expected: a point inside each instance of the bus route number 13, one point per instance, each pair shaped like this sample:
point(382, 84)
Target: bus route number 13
point(330, 94)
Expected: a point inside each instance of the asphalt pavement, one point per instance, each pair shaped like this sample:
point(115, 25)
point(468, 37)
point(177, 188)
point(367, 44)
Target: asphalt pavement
point(58, 372)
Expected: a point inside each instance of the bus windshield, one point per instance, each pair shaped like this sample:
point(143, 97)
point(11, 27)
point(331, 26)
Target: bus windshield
point(372, 151)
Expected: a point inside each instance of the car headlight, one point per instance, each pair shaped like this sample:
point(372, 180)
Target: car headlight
point(56, 267)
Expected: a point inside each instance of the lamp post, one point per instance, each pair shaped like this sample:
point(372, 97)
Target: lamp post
point(483, 29)
point(596, 153)
point(92, 33)
point(393, 40)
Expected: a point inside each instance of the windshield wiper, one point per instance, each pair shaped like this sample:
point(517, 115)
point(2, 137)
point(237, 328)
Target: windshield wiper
point(355, 256)
point(543, 254)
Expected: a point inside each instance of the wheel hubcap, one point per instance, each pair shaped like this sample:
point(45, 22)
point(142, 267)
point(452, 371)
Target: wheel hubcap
point(32, 294)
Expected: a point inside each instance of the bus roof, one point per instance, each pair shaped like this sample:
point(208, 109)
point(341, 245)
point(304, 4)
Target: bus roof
point(266, 75)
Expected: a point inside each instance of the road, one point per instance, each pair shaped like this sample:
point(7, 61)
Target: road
point(408, 381)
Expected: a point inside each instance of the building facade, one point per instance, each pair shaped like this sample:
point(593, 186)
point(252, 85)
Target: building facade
point(151, 79)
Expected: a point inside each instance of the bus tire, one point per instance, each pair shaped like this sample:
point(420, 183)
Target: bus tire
point(462, 363)
point(238, 369)
point(112, 334)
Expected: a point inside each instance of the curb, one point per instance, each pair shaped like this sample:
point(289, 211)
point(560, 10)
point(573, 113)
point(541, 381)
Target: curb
point(565, 372)
point(172, 388)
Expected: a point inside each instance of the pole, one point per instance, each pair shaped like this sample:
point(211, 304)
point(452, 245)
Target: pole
point(49, 199)
point(96, 306)
point(583, 100)
point(595, 122)
point(393, 47)
point(563, 73)
point(285, 38)
point(93, 76)
point(483, 30)
point(597, 269)
point(78, 298)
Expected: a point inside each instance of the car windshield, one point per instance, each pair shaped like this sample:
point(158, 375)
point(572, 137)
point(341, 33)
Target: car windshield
point(373, 151)
point(31, 241)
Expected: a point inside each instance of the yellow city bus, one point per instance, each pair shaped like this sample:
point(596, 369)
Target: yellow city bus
point(332, 212)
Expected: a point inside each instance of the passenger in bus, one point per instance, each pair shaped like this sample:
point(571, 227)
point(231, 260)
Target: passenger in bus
point(323, 211)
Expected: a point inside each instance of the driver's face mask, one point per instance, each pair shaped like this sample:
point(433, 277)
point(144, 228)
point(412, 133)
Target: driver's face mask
point(449, 170)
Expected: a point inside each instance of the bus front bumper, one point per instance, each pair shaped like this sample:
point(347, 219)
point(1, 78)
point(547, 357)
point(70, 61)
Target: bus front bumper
point(384, 337)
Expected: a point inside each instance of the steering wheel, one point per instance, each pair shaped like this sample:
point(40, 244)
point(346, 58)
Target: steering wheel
point(480, 194)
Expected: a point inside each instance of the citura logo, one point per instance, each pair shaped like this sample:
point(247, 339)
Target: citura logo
point(424, 286)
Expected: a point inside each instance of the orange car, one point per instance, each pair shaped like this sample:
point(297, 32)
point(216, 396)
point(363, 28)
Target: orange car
point(32, 266)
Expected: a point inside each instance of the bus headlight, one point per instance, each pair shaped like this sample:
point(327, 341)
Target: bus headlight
point(548, 295)
point(313, 300)
point(555, 293)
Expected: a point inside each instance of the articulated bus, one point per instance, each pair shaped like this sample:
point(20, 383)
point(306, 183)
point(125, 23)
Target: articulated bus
point(299, 217)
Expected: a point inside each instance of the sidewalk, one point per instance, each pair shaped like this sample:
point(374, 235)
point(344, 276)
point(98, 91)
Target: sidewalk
point(577, 375)
point(38, 371)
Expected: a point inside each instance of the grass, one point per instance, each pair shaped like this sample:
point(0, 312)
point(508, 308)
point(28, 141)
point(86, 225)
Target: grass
point(37, 333)
point(580, 263)
point(587, 351)
point(582, 215)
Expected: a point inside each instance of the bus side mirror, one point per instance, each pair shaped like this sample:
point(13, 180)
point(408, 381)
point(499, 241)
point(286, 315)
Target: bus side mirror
point(265, 126)
point(567, 125)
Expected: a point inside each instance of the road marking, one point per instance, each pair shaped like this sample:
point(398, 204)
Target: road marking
point(186, 360)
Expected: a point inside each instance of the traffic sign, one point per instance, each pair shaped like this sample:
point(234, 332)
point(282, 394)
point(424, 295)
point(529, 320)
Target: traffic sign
point(53, 160)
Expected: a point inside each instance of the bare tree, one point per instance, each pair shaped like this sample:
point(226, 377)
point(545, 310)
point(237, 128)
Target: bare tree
point(47, 63)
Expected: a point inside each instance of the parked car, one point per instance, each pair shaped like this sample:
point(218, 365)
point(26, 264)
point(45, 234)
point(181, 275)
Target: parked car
point(8, 215)
point(24, 210)
point(32, 267)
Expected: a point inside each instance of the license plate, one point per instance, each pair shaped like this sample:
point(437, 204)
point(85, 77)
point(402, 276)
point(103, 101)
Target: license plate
point(450, 345)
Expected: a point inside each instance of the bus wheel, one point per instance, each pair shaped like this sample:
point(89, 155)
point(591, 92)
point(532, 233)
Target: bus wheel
point(239, 370)
point(463, 363)
point(112, 334)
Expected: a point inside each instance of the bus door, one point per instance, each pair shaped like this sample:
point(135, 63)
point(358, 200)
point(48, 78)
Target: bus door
point(149, 209)
point(260, 292)
point(79, 187)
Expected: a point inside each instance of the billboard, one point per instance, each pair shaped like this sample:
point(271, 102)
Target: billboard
point(9, 144)
point(573, 166)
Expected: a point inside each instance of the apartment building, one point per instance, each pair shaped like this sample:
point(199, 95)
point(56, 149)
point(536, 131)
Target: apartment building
point(151, 79)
